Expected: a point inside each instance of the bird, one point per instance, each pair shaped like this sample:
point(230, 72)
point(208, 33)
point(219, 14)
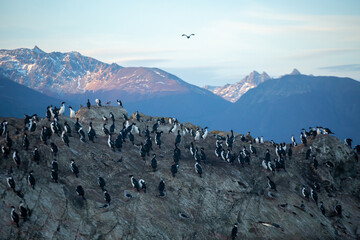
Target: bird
point(54, 175)
point(174, 169)
point(154, 162)
point(205, 133)
point(111, 143)
point(54, 165)
point(127, 195)
point(88, 104)
point(16, 158)
point(234, 231)
point(264, 165)
point(36, 155)
point(65, 138)
point(142, 185)
point(198, 169)
point(91, 132)
point(161, 187)
point(119, 102)
point(80, 191)
point(178, 138)
point(134, 183)
point(74, 169)
point(98, 102)
point(25, 142)
point(72, 112)
point(322, 208)
point(107, 197)
point(23, 211)
point(62, 109)
point(11, 183)
point(82, 135)
point(14, 216)
point(305, 193)
point(31, 180)
point(188, 36)
point(338, 209)
point(67, 128)
point(253, 149)
point(308, 153)
point(314, 195)
point(101, 183)
point(105, 130)
point(271, 184)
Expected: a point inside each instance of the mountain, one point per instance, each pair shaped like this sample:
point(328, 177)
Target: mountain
point(17, 100)
point(232, 92)
point(73, 77)
point(281, 107)
point(193, 208)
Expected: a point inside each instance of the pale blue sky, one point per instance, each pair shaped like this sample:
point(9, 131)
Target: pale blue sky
point(232, 38)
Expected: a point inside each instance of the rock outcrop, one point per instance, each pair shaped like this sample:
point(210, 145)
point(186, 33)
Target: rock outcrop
point(194, 207)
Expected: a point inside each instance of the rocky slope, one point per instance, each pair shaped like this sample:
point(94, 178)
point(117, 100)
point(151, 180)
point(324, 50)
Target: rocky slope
point(212, 204)
point(232, 92)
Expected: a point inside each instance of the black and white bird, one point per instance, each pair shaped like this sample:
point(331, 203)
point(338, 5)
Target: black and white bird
point(142, 185)
point(23, 210)
point(54, 165)
point(72, 112)
point(16, 158)
point(253, 149)
point(174, 169)
point(74, 169)
point(82, 135)
point(119, 102)
point(107, 197)
point(54, 175)
point(205, 133)
point(305, 193)
point(161, 187)
point(322, 208)
point(11, 183)
point(67, 128)
point(314, 196)
point(105, 130)
point(234, 231)
point(25, 142)
point(271, 184)
point(54, 149)
point(36, 155)
point(348, 142)
point(91, 132)
point(178, 138)
point(98, 102)
point(308, 153)
point(102, 183)
point(88, 104)
point(31, 180)
point(154, 162)
point(188, 36)
point(134, 183)
point(14, 216)
point(80, 191)
point(77, 125)
point(65, 138)
point(198, 169)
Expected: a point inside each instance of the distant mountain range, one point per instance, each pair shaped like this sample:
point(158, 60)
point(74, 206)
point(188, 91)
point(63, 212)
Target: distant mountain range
point(273, 108)
point(232, 92)
point(73, 77)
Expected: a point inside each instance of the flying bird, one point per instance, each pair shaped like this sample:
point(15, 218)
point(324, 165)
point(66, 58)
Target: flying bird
point(188, 36)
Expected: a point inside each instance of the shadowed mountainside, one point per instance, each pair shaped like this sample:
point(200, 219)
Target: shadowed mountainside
point(210, 205)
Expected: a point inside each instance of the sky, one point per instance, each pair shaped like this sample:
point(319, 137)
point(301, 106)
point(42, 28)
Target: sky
point(232, 38)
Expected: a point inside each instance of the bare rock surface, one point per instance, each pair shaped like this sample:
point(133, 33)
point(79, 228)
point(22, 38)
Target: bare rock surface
point(209, 205)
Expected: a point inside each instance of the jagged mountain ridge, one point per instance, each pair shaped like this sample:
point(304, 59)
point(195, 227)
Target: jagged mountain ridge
point(211, 205)
point(73, 73)
point(232, 92)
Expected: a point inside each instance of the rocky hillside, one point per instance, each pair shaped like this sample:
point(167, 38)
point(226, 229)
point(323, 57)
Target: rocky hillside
point(194, 207)
point(232, 92)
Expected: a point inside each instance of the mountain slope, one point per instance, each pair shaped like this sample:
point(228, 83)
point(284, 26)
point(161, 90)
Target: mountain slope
point(73, 77)
point(281, 107)
point(232, 92)
point(17, 100)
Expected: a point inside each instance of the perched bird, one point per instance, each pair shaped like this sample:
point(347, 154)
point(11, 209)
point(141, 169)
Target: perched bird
point(54, 175)
point(305, 193)
point(11, 183)
point(119, 102)
point(88, 104)
point(31, 180)
point(101, 183)
point(65, 138)
point(134, 183)
point(80, 191)
point(161, 187)
point(154, 162)
point(54, 149)
point(174, 169)
point(54, 165)
point(91, 132)
point(142, 185)
point(72, 112)
point(14, 216)
point(74, 169)
point(23, 211)
point(198, 169)
point(234, 231)
point(107, 197)
point(271, 184)
point(16, 158)
point(25, 142)
point(188, 36)
point(322, 208)
point(98, 102)
point(338, 209)
point(36, 155)
point(314, 196)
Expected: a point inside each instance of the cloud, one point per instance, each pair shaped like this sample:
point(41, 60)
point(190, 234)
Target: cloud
point(316, 53)
point(342, 68)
